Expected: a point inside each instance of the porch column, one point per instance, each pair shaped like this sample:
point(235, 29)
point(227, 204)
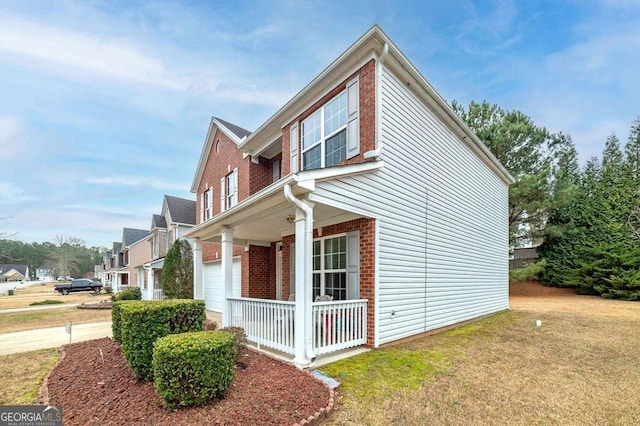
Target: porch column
point(303, 330)
point(227, 273)
point(198, 289)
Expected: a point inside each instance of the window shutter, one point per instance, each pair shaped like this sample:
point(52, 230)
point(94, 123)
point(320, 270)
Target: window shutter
point(353, 118)
point(293, 144)
point(353, 265)
point(201, 212)
point(222, 199)
point(292, 270)
point(210, 203)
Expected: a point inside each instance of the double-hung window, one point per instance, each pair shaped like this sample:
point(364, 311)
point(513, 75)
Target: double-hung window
point(208, 203)
point(232, 189)
point(330, 135)
point(324, 135)
point(330, 267)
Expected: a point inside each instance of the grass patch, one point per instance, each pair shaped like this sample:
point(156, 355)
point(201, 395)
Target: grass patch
point(23, 374)
point(46, 302)
point(579, 367)
point(29, 320)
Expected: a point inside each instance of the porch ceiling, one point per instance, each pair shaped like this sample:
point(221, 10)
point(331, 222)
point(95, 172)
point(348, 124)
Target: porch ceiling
point(266, 222)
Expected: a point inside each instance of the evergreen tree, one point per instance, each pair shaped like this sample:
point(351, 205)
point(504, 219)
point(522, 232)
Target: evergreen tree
point(541, 164)
point(177, 271)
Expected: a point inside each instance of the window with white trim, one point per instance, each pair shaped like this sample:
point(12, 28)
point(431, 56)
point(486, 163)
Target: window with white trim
point(330, 267)
point(324, 135)
point(232, 189)
point(208, 203)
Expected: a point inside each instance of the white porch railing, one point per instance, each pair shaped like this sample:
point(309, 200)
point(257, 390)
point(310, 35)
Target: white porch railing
point(152, 294)
point(266, 322)
point(337, 325)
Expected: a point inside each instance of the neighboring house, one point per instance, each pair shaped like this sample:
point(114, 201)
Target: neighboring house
point(523, 256)
point(365, 188)
point(113, 264)
point(177, 216)
point(45, 273)
point(131, 257)
point(13, 272)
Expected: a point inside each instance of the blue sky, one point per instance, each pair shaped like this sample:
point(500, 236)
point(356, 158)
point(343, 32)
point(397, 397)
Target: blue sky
point(104, 105)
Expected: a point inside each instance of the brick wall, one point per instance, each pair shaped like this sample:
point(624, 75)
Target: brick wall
point(367, 75)
point(367, 263)
point(261, 280)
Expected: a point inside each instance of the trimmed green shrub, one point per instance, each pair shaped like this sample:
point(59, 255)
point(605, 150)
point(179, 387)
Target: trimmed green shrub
point(193, 368)
point(142, 322)
point(108, 289)
point(239, 341)
point(132, 293)
point(115, 320)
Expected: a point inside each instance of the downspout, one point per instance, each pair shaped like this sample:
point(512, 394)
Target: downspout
point(381, 58)
point(308, 246)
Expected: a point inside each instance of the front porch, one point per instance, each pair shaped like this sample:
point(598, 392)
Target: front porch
point(307, 271)
point(336, 325)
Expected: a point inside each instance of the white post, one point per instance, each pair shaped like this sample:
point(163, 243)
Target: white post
point(303, 331)
point(198, 288)
point(150, 285)
point(227, 273)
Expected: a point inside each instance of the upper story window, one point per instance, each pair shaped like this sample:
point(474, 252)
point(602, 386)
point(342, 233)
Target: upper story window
point(206, 205)
point(229, 190)
point(330, 135)
point(232, 189)
point(324, 135)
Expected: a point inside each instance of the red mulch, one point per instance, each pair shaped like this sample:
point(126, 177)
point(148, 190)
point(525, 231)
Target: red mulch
point(266, 392)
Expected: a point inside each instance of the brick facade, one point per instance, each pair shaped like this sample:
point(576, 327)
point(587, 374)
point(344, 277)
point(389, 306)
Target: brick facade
point(367, 75)
point(367, 228)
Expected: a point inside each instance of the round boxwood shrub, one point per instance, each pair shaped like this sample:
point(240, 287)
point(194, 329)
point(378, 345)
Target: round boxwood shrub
point(193, 368)
point(132, 293)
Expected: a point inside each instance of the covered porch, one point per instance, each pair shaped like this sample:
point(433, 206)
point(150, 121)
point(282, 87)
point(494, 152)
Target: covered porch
point(150, 277)
point(303, 292)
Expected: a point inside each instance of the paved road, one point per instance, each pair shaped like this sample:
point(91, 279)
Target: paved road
point(42, 338)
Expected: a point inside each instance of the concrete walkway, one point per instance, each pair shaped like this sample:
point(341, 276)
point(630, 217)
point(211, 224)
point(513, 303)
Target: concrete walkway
point(54, 337)
point(39, 308)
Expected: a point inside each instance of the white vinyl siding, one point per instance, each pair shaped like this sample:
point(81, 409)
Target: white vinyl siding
point(443, 242)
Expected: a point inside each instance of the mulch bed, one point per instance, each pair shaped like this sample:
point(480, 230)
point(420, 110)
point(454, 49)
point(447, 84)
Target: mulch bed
point(537, 289)
point(91, 391)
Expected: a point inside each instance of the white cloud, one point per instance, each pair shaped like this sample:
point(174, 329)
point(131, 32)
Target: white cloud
point(12, 194)
point(9, 137)
point(146, 181)
point(85, 52)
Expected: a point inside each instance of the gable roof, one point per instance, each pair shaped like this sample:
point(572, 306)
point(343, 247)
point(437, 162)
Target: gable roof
point(237, 130)
point(373, 44)
point(181, 210)
point(236, 133)
point(6, 267)
point(131, 235)
point(158, 221)
point(116, 248)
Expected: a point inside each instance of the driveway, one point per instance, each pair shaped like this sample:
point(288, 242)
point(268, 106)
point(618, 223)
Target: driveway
point(53, 337)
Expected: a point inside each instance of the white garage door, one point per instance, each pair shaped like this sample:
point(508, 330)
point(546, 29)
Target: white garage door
point(213, 286)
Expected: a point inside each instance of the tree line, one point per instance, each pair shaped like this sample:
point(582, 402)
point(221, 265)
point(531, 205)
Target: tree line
point(65, 256)
point(586, 220)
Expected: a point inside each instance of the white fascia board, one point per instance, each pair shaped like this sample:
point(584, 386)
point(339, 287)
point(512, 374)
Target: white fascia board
point(338, 171)
point(247, 202)
point(206, 148)
point(369, 44)
point(227, 132)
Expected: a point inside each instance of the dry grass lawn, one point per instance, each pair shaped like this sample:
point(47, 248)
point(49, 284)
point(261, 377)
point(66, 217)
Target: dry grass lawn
point(23, 297)
point(23, 374)
point(18, 321)
point(581, 367)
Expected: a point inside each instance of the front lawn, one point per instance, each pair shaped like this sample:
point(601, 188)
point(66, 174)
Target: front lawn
point(22, 374)
point(582, 366)
point(29, 320)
